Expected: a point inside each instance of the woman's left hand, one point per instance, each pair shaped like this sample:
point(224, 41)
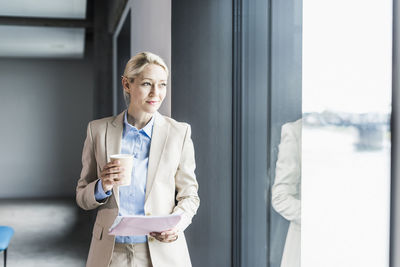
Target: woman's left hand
point(166, 236)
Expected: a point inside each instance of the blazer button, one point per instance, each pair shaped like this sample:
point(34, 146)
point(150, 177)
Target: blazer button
point(151, 239)
point(148, 214)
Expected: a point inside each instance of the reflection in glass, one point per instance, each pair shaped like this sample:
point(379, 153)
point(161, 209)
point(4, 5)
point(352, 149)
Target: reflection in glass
point(286, 193)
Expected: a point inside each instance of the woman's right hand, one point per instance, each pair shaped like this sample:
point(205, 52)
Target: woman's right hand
point(111, 175)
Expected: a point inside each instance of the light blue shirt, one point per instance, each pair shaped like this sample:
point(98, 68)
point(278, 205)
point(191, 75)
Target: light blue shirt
point(131, 198)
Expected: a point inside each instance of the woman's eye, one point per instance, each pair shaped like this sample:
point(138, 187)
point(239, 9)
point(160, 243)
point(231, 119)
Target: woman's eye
point(163, 84)
point(146, 84)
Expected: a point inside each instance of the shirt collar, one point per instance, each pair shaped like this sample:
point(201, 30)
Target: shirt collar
point(148, 129)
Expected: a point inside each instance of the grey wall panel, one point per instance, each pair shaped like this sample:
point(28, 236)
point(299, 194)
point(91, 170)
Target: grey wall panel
point(45, 107)
point(202, 96)
point(286, 96)
point(151, 31)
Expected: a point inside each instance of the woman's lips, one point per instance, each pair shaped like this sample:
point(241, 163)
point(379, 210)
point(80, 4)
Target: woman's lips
point(152, 102)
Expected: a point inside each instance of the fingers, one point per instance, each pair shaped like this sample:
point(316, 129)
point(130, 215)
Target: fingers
point(165, 239)
point(169, 232)
point(170, 238)
point(111, 164)
point(111, 180)
point(112, 167)
point(111, 175)
point(112, 171)
point(166, 236)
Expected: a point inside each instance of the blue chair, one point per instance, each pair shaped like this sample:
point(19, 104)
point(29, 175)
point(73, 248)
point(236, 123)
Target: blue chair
point(6, 233)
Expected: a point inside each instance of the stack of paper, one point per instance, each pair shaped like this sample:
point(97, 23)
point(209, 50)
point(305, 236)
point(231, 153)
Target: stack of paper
point(143, 225)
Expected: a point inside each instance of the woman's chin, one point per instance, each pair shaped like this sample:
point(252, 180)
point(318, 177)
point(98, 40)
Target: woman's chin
point(151, 110)
point(147, 108)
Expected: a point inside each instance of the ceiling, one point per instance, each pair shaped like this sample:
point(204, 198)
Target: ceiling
point(43, 28)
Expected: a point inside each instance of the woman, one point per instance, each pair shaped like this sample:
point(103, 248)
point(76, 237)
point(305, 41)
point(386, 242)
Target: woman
point(286, 197)
point(163, 172)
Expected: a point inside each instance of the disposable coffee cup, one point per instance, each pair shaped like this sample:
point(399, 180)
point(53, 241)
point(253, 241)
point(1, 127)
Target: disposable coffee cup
point(126, 162)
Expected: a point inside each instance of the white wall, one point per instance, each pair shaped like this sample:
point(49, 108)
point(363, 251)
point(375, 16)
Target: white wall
point(45, 106)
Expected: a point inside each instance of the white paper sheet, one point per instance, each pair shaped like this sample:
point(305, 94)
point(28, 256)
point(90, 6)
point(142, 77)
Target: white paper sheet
point(143, 225)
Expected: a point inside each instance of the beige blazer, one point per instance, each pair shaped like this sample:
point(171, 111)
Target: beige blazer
point(170, 177)
point(286, 191)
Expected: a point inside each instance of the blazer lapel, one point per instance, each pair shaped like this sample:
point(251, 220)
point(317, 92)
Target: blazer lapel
point(113, 143)
point(158, 141)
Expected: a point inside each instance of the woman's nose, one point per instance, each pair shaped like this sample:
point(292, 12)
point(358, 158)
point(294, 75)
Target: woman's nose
point(154, 89)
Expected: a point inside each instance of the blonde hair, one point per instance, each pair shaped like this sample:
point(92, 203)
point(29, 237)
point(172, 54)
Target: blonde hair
point(137, 64)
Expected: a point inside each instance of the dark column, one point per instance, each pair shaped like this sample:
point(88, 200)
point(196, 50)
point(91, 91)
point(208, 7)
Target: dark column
point(102, 61)
point(395, 124)
point(251, 118)
point(202, 96)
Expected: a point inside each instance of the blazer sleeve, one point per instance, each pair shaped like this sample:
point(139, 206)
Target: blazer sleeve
point(85, 189)
point(186, 184)
point(285, 195)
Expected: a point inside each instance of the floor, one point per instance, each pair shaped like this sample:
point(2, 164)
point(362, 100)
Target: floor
point(48, 233)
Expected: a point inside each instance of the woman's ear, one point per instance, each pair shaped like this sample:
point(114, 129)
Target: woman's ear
point(125, 84)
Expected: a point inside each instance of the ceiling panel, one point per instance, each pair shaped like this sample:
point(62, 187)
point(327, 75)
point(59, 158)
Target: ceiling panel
point(27, 41)
point(44, 8)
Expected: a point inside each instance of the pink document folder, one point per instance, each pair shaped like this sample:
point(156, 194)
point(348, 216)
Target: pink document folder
point(143, 225)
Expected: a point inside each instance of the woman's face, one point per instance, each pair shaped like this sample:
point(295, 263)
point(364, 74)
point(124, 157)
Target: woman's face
point(148, 89)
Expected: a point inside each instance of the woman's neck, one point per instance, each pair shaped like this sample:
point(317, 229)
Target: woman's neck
point(138, 119)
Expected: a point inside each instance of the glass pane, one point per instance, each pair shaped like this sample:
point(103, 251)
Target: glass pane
point(285, 135)
point(346, 133)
